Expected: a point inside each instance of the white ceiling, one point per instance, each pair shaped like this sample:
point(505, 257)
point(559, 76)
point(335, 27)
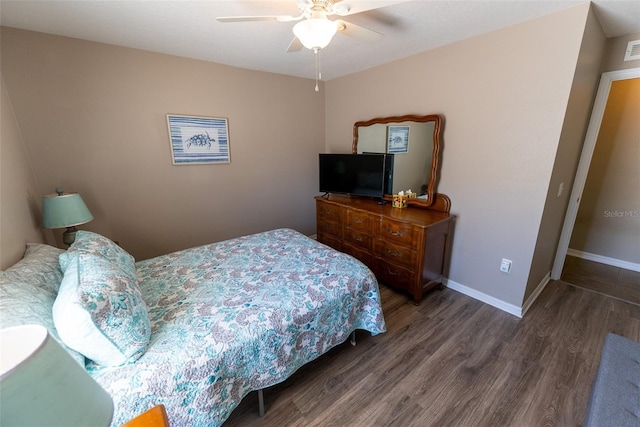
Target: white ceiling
point(189, 28)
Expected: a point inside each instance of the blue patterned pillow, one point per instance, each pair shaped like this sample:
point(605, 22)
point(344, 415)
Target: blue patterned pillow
point(100, 312)
point(27, 304)
point(93, 243)
point(39, 266)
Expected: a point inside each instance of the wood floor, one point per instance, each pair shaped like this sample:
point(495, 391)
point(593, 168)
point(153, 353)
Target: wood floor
point(454, 361)
point(605, 279)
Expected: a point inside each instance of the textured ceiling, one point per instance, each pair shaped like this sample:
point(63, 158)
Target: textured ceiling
point(189, 28)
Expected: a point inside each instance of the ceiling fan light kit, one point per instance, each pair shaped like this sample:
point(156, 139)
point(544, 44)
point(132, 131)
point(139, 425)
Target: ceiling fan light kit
point(315, 31)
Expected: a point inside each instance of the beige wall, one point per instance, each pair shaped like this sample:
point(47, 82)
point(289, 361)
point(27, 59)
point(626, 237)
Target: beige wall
point(576, 121)
point(93, 119)
point(608, 220)
point(19, 195)
point(504, 96)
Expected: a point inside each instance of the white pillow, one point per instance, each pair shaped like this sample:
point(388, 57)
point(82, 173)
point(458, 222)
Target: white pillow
point(100, 312)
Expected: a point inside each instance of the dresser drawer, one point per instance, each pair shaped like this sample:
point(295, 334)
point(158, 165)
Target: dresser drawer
point(329, 240)
point(330, 228)
point(359, 239)
point(395, 253)
point(329, 212)
point(359, 253)
point(396, 231)
point(359, 220)
point(394, 275)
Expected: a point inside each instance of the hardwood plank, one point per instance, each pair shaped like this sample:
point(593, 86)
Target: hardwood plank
point(569, 366)
point(606, 279)
point(629, 279)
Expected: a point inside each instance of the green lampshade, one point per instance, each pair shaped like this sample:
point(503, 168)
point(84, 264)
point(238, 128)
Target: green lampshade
point(41, 384)
point(64, 210)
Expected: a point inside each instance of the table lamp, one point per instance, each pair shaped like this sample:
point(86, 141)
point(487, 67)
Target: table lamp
point(42, 385)
point(64, 210)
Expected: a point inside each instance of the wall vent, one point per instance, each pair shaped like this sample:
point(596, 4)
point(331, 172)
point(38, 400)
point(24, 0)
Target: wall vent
point(633, 50)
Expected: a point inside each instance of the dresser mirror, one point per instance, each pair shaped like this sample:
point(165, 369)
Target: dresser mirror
point(415, 143)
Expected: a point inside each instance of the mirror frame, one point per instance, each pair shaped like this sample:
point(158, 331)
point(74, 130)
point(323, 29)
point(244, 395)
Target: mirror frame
point(436, 148)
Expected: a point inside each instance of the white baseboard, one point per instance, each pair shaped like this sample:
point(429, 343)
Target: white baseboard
point(536, 293)
point(487, 299)
point(314, 237)
point(605, 260)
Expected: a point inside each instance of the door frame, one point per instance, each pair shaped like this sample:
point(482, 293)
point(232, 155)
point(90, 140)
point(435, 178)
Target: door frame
point(585, 161)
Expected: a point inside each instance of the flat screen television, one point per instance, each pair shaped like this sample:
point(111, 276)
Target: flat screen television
point(356, 174)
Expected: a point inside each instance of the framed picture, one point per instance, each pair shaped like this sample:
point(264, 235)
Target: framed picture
point(397, 139)
point(198, 140)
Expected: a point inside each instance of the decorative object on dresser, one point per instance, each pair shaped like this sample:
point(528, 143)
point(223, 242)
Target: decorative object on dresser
point(406, 246)
point(41, 384)
point(64, 210)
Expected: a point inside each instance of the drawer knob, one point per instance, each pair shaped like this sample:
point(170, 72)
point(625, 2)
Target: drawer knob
point(398, 233)
point(357, 220)
point(393, 273)
point(392, 253)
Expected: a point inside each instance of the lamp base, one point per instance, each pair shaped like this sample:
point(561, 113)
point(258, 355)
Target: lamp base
point(69, 236)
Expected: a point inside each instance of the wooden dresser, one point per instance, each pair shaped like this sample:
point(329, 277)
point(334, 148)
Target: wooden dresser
point(405, 248)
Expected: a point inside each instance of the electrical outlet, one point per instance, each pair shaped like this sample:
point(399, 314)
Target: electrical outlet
point(505, 265)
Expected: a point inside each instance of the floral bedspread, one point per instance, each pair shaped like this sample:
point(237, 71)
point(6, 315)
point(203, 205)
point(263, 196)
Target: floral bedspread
point(236, 316)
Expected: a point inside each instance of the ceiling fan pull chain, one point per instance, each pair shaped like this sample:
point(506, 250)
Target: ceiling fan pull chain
point(316, 51)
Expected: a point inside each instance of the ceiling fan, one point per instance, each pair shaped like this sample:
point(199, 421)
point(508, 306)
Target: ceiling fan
point(314, 30)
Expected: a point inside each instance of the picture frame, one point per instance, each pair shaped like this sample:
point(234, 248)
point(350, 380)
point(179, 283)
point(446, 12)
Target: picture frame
point(397, 139)
point(198, 140)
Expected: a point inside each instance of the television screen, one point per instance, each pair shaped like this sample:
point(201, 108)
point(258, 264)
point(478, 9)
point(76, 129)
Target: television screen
point(356, 174)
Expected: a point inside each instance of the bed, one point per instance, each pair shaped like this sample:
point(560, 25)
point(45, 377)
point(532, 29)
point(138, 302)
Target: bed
point(204, 326)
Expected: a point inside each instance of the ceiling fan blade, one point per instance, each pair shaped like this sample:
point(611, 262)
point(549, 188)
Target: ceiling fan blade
point(295, 45)
point(279, 18)
point(351, 7)
point(358, 32)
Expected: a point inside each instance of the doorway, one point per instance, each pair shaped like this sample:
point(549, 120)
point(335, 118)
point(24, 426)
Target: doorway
point(595, 229)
